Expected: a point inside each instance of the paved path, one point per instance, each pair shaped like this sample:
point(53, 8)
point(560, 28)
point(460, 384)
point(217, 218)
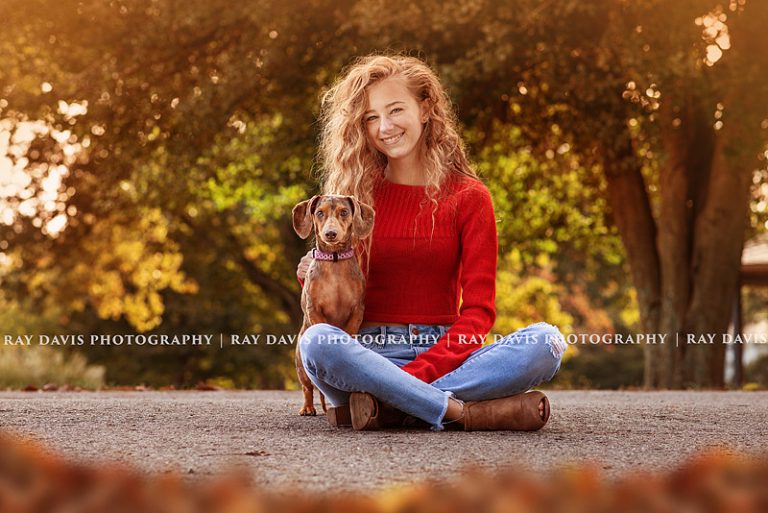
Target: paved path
point(200, 433)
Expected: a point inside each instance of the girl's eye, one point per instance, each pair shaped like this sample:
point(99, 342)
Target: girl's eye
point(370, 118)
point(396, 109)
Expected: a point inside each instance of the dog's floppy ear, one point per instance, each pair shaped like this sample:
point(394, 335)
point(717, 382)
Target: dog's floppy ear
point(362, 223)
point(302, 216)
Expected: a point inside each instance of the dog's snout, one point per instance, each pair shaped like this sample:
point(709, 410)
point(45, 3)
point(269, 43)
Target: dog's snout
point(331, 235)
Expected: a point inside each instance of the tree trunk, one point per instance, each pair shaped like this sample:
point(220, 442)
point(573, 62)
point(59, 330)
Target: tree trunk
point(632, 214)
point(718, 243)
point(674, 251)
point(687, 139)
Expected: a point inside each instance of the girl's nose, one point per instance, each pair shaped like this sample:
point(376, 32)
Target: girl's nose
point(386, 124)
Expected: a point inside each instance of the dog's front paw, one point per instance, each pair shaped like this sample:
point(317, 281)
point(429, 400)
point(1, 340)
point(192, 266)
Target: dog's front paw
point(307, 411)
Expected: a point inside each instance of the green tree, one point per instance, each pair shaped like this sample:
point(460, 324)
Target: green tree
point(185, 131)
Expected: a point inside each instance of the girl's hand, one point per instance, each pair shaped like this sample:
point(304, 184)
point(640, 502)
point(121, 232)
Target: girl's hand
point(301, 270)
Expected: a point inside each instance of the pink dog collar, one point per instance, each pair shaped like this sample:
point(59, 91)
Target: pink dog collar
point(334, 256)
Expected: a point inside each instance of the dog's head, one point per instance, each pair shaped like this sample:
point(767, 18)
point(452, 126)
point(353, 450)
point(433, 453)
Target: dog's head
point(338, 221)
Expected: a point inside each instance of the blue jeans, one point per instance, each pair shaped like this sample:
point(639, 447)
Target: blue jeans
point(339, 364)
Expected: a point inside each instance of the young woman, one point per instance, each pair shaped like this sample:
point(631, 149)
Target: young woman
point(389, 137)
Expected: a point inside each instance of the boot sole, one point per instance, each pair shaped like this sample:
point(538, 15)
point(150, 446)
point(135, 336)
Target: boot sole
point(546, 411)
point(364, 410)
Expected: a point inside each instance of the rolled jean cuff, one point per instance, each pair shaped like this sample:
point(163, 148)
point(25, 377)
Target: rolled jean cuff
point(438, 426)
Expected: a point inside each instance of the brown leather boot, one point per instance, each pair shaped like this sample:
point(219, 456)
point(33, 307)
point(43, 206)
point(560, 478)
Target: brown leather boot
point(339, 416)
point(515, 412)
point(368, 413)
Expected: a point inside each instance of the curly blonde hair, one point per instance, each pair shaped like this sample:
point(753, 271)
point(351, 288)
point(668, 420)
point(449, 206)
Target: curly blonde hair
point(349, 163)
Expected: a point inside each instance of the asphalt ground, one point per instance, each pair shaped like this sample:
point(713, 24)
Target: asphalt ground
point(204, 433)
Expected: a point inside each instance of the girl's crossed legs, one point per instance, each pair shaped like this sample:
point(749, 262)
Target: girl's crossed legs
point(339, 364)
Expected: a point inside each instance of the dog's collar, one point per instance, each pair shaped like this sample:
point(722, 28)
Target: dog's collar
point(334, 256)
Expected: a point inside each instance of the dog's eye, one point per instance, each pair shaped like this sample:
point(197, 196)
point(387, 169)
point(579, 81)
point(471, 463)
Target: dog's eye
point(320, 214)
point(344, 212)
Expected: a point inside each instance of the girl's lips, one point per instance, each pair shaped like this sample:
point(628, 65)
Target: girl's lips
point(392, 140)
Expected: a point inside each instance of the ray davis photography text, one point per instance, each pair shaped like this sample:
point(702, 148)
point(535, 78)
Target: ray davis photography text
point(108, 340)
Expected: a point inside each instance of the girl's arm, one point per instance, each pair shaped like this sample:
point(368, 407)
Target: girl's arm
point(301, 269)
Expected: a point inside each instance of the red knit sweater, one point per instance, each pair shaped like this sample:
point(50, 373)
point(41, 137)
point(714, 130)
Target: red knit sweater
point(446, 278)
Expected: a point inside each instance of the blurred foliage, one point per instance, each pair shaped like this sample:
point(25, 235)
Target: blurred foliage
point(756, 374)
point(187, 130)
point(131, 265)
point(755, 305)
point(523, 298)
point(22, 366)
point(715, 480)
point(602, 367)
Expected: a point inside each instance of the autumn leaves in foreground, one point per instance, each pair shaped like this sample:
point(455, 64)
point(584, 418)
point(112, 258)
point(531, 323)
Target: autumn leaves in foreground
point(33, 479)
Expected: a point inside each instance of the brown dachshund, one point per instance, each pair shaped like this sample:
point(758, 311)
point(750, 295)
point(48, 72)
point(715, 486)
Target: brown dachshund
point(334, 286)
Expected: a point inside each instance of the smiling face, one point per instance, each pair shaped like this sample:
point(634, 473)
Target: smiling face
point(394, 119)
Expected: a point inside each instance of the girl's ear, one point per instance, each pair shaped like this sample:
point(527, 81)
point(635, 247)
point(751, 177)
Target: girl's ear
point(302, 216)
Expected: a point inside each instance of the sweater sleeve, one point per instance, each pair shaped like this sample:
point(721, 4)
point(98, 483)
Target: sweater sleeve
point(479, 249)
